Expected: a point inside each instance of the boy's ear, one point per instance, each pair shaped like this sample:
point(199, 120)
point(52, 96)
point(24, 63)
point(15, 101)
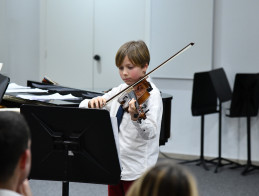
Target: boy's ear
point(24, 159)
point(145, 68)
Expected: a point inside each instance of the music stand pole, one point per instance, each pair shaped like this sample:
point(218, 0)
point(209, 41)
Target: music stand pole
point(65, 188)
point(65, 184)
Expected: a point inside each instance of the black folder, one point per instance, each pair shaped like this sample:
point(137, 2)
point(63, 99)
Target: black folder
point(4, 81)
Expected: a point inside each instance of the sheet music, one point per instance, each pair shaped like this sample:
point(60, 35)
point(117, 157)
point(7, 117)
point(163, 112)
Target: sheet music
point(10, 109)
point(15, 88)
point(55, 96)
point(116, 135)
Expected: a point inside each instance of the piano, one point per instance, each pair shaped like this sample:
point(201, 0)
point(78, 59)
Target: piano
point(11, 100)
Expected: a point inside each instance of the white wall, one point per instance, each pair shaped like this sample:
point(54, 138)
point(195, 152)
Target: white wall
point(235, 48)
point(20, 35)
point(3, 42)
point(184, 21)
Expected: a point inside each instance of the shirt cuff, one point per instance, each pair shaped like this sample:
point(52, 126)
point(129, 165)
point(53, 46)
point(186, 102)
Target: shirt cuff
point(84, 104)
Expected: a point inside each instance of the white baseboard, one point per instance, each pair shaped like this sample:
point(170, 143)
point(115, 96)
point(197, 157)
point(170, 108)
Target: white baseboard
point(186, 157)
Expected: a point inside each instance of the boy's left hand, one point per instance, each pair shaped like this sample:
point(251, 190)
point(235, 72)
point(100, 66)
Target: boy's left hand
point(133, 110)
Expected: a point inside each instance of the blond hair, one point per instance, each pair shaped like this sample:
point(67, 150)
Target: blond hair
point(165, 179)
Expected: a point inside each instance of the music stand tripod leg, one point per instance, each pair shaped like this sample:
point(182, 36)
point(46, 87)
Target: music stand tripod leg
point(219, 159)
point(249, 166)
point(201, 161)
point(65, 184)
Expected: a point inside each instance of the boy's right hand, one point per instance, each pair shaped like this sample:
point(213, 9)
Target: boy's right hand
point(97, 102)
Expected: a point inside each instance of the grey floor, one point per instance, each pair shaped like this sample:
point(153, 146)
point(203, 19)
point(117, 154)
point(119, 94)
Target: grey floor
point(53, 188)
point(227, 182)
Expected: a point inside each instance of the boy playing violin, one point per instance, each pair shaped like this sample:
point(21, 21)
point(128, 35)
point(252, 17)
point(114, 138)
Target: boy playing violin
point(138, 138)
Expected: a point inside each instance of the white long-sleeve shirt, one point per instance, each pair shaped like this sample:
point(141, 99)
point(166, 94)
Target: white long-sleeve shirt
point(7, 192)
point(138, 142)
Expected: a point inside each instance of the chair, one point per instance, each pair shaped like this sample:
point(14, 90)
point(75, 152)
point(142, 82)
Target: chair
point(244, 103)
point(204, 101)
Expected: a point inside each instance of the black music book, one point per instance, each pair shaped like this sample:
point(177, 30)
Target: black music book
point(4, 81)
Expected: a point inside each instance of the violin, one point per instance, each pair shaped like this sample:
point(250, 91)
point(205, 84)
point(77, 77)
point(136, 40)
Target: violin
point(140, 93)
point(140, 89)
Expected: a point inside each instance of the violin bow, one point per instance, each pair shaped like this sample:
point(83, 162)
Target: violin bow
point(145, 76)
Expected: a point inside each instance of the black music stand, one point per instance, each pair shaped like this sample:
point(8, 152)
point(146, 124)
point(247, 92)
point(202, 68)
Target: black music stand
point(209, 88)
point(72, 145)
point(245, 103)
point(223, 92)
point(4, 81)
point(204, 101)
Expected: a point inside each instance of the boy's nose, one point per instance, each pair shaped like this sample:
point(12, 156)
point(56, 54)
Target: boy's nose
point(125, 72)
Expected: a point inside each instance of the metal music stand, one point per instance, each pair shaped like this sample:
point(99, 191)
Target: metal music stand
point(245, 103)
point(72, 145)
point(204, 102)
point(209, 88)
point(224, 93)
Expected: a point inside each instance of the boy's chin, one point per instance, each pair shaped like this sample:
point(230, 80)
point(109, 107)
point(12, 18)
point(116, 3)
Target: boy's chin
point(129, 83)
